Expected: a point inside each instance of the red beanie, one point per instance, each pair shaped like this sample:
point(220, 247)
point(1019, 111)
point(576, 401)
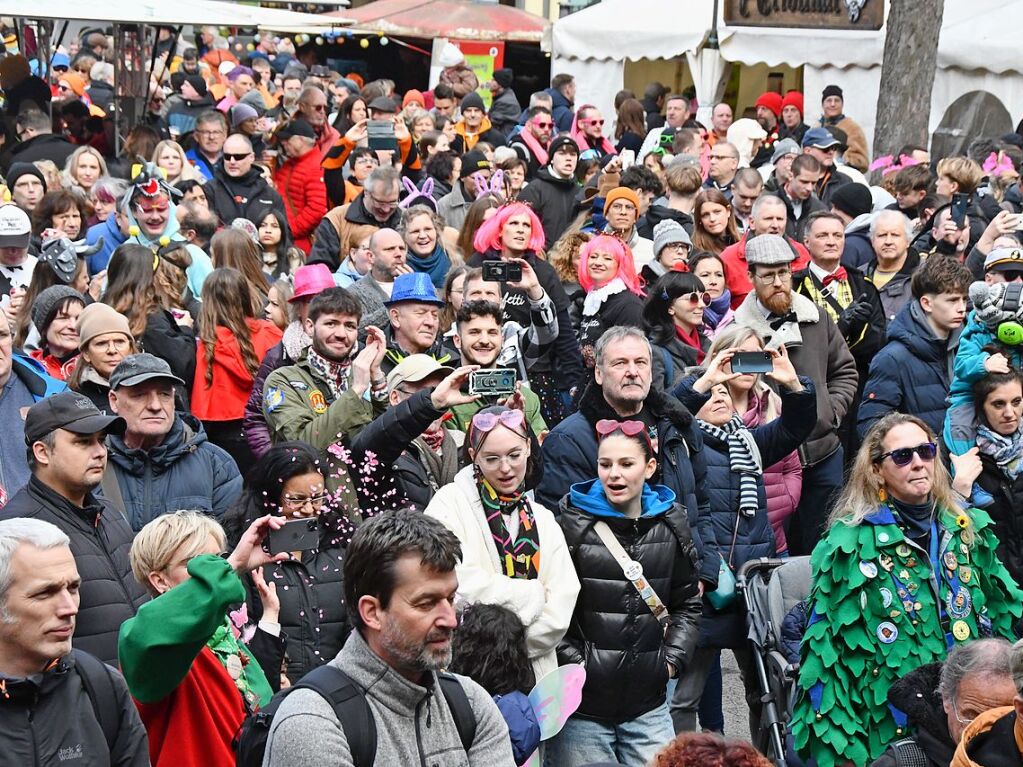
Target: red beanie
point(793, 99)
point(772, 101)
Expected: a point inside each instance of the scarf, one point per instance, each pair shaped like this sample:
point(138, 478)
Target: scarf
point(334, 373)
point(692, 340)
point(539, 152)
point(1007, 452)
point(440, 459)
point(915, 518)
point(596, 297)
point(246, 673)
point(743, 458)
point(519, 558)
point(718, 308)
point(436, 265)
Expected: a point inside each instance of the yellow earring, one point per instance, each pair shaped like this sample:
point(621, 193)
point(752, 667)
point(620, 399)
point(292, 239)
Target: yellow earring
point(882, 494)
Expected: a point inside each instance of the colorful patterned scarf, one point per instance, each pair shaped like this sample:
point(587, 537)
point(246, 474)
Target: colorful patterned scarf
point(1007, 452)
point(334, 373)
point(519, 558)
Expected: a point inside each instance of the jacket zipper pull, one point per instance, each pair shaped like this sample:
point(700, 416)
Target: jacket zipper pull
point(429, 710)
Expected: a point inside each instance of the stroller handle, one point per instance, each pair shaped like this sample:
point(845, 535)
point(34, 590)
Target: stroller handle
point(754, 566)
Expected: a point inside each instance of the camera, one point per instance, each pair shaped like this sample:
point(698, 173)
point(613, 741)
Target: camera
point(501, 271)
point(500, 381)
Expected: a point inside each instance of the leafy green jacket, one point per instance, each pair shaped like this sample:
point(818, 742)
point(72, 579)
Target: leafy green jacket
point(878, 610)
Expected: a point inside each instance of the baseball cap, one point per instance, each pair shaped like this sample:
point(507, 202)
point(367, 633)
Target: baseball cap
point(139, 368)
point(820, 138)
point(70, 411)
point(1004, 260)
point(297, 127)
point(415, 368)
point(15, 227)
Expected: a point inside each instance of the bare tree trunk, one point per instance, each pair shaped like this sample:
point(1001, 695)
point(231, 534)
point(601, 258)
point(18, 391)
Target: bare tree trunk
point(907, 74)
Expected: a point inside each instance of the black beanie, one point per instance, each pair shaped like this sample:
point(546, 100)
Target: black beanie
point(852, 199)
point(563, 141)
point(832, 90)
point(19, 169)
point(473, 100)
point(473, 161)
point(197, 82)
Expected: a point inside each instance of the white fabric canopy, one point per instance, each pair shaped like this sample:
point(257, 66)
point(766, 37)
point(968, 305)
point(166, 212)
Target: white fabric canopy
point(709, 72)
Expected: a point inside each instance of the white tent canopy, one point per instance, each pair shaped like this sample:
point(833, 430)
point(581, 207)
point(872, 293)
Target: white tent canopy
point(168, 13)
point(978, 49)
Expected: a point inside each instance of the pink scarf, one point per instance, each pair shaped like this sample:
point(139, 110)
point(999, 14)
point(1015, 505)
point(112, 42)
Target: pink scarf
point(534, 146)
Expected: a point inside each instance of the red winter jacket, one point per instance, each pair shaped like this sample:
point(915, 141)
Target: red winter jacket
point(232, 383)
point(300, 183)
point(734, 259)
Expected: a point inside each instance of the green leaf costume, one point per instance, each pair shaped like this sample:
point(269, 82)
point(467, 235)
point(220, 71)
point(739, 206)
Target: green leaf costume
point(877, 611)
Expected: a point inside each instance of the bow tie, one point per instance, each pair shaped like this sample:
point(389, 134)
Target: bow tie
point(776, 321)
point(839, 275)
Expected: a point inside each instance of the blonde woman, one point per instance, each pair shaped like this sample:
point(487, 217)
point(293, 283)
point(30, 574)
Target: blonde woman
point(84, 168)
point(171, 157)
point(905, 571)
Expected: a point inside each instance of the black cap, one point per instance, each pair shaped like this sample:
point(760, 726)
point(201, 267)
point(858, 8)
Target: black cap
point(138, 368)
point(70, 411)
point(473, 161)
point(297, 127)
point(383, 104)
point(198, 84)
point(852, 199)
point(832, 90)
point(472, 100)
point(563, 141)
point(504, 77)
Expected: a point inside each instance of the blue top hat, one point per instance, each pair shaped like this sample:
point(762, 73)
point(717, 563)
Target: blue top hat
point(414, 287)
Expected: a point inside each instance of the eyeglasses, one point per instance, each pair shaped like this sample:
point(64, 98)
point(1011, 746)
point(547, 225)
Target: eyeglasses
point(59, 69)
point(695, 298)
point(903, 455)
point(316, 107)
point(161, 207)
point(486, 422)
point(955, 712)
point(209, 133)
point(722, 157)
point(381, 203)
point(236, 157)
point(295, 502)
point(676, 247)
point(783, 276)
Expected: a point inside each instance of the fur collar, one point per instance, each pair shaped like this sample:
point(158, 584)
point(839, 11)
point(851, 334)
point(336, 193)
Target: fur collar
point(594, 407)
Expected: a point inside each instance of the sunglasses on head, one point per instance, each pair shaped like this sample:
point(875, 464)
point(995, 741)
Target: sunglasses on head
point(236, 157)
point(608, 426)
point(904, 455)
point(486, 422)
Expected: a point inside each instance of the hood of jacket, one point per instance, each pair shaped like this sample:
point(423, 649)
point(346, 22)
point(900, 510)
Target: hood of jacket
point(655, 214)
point(590, 497)
point(558, 99)
point(184, 438)
point(594, 407)
point(910, 327)
point(171, 230)
point(860, 224)
point(545, 174)
point(252, 182)
point(484, 127)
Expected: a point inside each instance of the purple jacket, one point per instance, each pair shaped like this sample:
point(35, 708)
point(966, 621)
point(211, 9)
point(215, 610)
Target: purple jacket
point(291, 348)
point(783, 481)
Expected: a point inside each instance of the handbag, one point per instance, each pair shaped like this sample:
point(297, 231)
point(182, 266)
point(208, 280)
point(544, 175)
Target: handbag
point(723, 596)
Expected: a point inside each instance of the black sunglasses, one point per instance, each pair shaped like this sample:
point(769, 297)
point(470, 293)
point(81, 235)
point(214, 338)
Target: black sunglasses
point(901, 457)
point(236, 157)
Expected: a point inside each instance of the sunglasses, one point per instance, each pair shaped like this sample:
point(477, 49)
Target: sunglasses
point(904, 455)
point(158, 208)
point(60, 69)
point(592, 122)
point(543, 125)
point(487, 422)
point(608, 426)
point(696, 298)
point(236, 157)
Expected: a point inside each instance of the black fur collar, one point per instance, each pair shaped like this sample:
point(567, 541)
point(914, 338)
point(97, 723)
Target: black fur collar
point(594, 407)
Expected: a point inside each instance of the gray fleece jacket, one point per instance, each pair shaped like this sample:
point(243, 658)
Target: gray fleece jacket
point(414, 725)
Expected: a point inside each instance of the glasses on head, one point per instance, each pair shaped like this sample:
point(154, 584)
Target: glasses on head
point(904, 455)
point(783, 276)
point(236, 157)
point(295, 502)
point(486, 422)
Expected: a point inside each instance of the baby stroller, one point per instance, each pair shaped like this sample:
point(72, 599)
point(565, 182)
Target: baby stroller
point(772, 587)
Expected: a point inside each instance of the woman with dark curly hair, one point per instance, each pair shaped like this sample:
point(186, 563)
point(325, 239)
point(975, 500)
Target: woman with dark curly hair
point(61, 210)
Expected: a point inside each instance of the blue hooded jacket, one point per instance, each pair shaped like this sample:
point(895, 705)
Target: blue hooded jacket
point(590, 497)
point(112, 238)
point(523, 728)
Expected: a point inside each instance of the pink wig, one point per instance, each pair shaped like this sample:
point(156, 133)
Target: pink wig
point(623, 258)
point(488, 236)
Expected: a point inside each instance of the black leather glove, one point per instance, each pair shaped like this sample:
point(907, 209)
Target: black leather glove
point(854, 318)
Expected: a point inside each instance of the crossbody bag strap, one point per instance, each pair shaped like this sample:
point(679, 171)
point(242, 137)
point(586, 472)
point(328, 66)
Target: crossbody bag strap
point(633, 571)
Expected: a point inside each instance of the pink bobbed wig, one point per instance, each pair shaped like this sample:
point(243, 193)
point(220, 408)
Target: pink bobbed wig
point(623, 258)
point(488, 236)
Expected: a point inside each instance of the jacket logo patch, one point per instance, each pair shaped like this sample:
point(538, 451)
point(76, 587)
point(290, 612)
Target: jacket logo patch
point(300, 385)
point(273, 399)
point(317, 401)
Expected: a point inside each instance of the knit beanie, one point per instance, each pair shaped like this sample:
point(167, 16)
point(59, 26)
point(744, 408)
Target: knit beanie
point(412, 96)
point(772, 101)
point(852, 199)
point(793, 99)
point(668, 232)
point(99, 318)
point(832, 90)
point(472, 100)
point(198, 83)
point(47, 303)
point(621, 193)
point(19, 169)
point(564, 141)
point(472, 161)
point(75, 80)
point(504, 77)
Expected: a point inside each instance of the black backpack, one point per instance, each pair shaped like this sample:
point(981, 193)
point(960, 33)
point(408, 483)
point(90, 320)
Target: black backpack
point(99, 687)
point(352, 711)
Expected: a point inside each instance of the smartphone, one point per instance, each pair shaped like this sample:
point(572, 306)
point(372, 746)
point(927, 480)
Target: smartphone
point(496, 382)
point(958, 209)
point(380, 135)
point(501, 271)
point(752, 362)
point(296, 535)
point(628, 157)
point(1019, 223)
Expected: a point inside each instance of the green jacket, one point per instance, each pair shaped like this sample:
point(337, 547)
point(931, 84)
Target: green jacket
point(874, 616)
point(157, 647)
point(462, 414)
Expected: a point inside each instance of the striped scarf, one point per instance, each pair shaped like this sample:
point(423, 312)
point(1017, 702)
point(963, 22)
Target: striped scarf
point(519, 558)
point(743, 458)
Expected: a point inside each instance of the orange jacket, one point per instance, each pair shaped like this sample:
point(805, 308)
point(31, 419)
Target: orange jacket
point(232, 383)
point(982, 724)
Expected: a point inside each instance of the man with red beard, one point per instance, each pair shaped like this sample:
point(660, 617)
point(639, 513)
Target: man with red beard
point(817, 350)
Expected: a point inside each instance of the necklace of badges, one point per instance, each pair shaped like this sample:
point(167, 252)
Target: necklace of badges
point(958, 603)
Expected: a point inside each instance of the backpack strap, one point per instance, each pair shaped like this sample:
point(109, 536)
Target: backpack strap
point(461, 710)
point(351, 708)
point(99, 687)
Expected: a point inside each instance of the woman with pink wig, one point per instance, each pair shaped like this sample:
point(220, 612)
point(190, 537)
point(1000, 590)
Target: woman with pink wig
point(613, 290)
point(515, 232)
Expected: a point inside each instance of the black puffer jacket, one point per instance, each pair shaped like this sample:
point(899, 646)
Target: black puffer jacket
point(1005, 511)
point(613, 633)
point(625, 308)
point(242, 197)
point(313, 615)
point(655, 214)
point(916, 695)
point(556, 200)
point(100, 541)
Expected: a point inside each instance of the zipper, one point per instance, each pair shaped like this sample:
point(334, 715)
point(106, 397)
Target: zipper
point(419, 734)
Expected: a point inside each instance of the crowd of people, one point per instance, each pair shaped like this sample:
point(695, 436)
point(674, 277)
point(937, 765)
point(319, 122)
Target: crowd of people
point(324, 451)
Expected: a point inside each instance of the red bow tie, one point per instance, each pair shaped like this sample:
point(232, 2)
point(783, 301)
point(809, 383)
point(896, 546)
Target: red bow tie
point(839, 274)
